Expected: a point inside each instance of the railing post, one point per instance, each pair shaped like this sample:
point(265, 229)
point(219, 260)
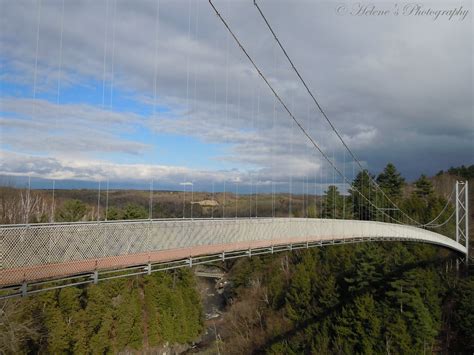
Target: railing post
point(24, 288)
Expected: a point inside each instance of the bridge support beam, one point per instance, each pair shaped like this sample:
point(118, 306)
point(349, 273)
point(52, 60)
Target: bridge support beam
point(462, 215)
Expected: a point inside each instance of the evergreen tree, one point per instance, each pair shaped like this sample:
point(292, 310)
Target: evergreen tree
point(397, 338)
point(464, 313)
point(333, 203)
point(114, 214)
point(366, 270)
point(71, 211)
point(133, 211)
point(363, 196)
point(423, 187)
point(391, 181)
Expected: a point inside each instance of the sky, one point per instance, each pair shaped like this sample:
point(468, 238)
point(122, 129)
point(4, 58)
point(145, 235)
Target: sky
point(157, 90)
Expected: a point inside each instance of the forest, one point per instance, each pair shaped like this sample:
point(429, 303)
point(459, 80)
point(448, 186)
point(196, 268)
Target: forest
point(368, 298)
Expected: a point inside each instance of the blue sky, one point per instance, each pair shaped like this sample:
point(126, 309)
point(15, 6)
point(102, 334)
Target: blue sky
point(163, 148)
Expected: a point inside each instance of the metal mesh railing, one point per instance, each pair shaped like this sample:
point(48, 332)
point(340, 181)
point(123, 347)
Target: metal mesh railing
point(38, 251)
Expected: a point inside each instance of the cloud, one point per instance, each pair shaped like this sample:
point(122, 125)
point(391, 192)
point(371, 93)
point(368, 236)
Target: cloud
point(15, 164)
point(398, 88)
point(67, 130)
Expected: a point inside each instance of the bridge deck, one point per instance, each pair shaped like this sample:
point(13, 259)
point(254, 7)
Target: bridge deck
point(44, 251)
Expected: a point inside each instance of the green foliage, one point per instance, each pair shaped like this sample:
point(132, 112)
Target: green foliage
point(133, 211)
point(312, 211)
point(363, 195)
point(464, 314)
point(112, 316)
point(71, 211)
point(466, 172)
point(423, 187)
point(391, 181)
point(114, 214)
point(355, 299)
point(335, 205)
point(366, 270)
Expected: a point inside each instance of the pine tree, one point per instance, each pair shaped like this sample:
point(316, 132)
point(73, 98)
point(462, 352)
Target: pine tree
point(363, 196)
point(133, 211)
point(423, 187)
point(391, 181)
point(114, 214)
point(367, 269)
point(397, 338)
point(71, 211)
point(335, 205)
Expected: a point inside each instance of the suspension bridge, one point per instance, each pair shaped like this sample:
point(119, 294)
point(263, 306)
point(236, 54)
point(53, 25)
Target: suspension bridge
point(44, 256)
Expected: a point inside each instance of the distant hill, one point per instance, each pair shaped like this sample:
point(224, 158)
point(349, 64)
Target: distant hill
point(465, 172)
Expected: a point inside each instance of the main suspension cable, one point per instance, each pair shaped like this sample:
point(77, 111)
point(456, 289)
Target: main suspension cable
point(443, 210)
point(285, 106)
point(326, 117)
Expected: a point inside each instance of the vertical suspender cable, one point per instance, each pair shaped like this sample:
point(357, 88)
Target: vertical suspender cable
point(290, 212)
point(60, 54)
point(60, 60)
point(364, 171)
point(353, 192)
point(52, 207)
point(256, 131)
point(27, 214)
point(284, 105)
point(98, 203)
point(184, 198)
point(150, 206)
point(343, 188)
point(111, 93)
point(273, 137)
point(155, 80)
point(195, 101)
point(107, 201)
point(251, 173)
point(216, 113)
point(103, 82)
point(226, 104)
point(236, 196)
point(334, 212)
point(213, 199)
point(238, 120)
point(28, 204)
point(321, 193)
point(113, 54)
point(36, 56)
point(370, 206)
point(106, 34)
point(187, 97)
